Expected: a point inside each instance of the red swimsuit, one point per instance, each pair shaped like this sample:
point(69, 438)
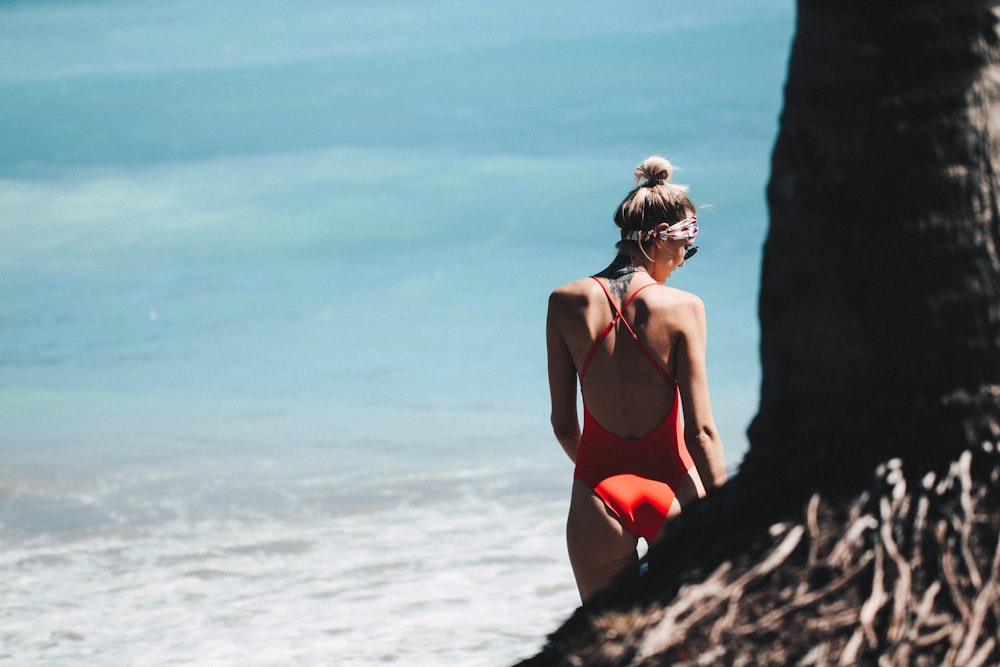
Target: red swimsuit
point(635, 477)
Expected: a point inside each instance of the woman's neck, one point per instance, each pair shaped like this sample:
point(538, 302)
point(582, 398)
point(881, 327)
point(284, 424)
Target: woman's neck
point(620, 272)
point(623, 266)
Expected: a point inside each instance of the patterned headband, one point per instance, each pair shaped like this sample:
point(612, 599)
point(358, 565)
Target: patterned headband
point(679, 231)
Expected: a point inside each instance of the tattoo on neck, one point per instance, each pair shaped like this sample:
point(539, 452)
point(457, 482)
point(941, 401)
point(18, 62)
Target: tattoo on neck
point(619, 276)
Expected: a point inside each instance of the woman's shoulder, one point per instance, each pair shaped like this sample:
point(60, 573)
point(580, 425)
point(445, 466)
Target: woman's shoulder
point(675, 305)
point(569, 300)
point(582, 287)
point(665, 295)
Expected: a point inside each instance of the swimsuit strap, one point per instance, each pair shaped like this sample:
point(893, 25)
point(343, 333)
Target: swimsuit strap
point(619, 317)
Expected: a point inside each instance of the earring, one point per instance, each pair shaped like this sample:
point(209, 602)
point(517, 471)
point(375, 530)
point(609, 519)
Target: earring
point(646, 255)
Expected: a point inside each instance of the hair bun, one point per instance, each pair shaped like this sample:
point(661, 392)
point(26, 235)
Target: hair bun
point(654, 170)
point(653, 200)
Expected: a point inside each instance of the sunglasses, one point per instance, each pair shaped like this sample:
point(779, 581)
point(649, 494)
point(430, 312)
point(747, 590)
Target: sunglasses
point(690, 252)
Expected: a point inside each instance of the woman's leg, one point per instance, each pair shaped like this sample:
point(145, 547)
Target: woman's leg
point(599, 547)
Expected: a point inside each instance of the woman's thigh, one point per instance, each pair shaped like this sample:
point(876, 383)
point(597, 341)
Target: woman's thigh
point(599, 547)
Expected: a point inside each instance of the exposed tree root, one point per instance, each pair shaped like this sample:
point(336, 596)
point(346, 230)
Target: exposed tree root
point(901, 576)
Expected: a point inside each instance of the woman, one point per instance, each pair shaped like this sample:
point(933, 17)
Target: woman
point(637, 349)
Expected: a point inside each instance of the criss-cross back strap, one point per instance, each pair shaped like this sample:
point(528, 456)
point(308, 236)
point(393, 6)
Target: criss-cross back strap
point(616, 318)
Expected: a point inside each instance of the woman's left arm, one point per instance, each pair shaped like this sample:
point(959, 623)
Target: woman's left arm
point(700, 432)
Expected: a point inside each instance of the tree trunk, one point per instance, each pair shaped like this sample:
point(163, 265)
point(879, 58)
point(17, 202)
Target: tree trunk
point(880, 340)
point(880, 295)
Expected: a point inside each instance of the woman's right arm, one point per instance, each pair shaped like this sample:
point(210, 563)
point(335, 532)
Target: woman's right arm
point(562, 381)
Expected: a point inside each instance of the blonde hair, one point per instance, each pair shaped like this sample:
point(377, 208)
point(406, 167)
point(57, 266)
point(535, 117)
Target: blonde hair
point(653, 201)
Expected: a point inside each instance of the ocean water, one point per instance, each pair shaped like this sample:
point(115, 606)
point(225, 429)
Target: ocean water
point(272, 294)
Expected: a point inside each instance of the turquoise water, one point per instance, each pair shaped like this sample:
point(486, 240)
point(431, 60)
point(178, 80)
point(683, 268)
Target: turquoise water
point(270, 274)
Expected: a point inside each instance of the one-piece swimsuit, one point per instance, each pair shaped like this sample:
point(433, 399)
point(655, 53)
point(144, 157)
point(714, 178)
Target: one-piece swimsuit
point(635, 477)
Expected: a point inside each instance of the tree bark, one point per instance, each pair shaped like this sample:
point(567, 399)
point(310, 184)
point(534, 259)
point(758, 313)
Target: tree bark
point(880, 294)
